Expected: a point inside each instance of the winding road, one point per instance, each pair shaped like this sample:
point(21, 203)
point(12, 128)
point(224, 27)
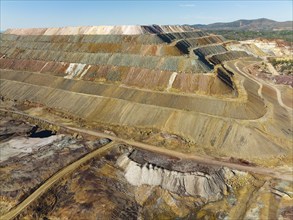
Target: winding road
point(265, 89)
point(202, 159)
point(53, 179)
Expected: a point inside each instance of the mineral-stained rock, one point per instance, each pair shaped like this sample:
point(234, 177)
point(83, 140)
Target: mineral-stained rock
point(210, 187)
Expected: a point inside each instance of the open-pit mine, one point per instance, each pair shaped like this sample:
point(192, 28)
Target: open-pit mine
point(144, 122)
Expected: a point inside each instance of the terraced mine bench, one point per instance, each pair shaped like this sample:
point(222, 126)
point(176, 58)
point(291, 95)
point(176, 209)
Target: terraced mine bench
point(168, 78)
point(151, 122)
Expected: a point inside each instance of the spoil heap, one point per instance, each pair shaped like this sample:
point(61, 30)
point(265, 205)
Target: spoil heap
point(172, 79)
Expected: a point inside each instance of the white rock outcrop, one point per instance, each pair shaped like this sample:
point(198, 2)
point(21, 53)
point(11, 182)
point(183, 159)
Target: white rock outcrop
point(101, 30)
point(23, 145)
point(209, 187)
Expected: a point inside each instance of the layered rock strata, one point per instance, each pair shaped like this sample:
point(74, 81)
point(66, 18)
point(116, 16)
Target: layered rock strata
point(137, 78)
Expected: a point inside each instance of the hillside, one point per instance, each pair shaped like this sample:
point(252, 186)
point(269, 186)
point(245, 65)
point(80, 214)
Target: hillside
point(144, 122)
point(243, 24)
point(285, 35)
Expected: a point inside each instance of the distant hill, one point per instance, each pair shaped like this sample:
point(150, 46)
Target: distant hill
point(255, 24)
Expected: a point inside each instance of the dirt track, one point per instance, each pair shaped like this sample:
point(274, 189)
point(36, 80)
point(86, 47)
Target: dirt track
point(265, 90)
point(197, 159)
point(52, 180)
point(203, 159)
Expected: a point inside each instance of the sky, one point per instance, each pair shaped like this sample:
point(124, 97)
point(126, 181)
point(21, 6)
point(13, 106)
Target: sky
point(26, 14)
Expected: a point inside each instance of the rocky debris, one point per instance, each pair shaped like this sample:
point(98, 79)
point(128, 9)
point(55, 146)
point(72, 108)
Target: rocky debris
point(261, 71)
point(283, 65)
point(23, 146)
point(210, 187)
point(158, 203)
point(287, 213)
point(271, 47)
point(170, 163)
point(249, 48)
point(10, 128)
point(272, 201)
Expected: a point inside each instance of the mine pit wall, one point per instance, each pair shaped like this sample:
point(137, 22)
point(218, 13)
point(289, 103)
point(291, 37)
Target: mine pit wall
point(169, 63)
point(95, 39)
point(226, 56)
point(185, 44)
point(205, 132)
point(146, 39)
point(201, 84)
point(200, 104)
point(111, 67)
point(172, 37)
point(203, 52)
point(225, 76)
point(206, 84)
point(208, 123)
point(123, 47)
point(208, 50)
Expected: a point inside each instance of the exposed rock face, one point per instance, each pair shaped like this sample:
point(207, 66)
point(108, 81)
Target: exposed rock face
point(97, 190)
point(271, 47)
point(163, 74)
point(146, 61)
point(230, 55)
point(210, 187)
point(90, 30)
point(249, 48)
